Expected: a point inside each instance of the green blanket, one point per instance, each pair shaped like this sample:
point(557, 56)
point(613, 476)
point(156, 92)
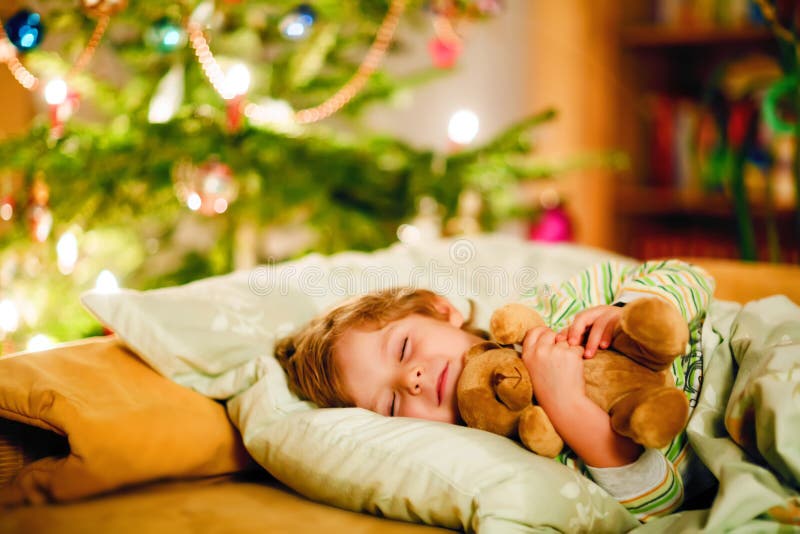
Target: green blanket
point(746, 426)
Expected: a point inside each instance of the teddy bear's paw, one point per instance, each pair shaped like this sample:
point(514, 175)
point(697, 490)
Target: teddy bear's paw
point(660, 417)
point(509, 324)
point(652, 332)
point(538, 434)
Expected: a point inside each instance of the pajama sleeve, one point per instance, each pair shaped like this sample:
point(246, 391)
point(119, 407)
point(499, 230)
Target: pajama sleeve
point(648, 488)
point(687, 286)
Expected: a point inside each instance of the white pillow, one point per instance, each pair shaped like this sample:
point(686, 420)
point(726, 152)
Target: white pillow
point(217, 336)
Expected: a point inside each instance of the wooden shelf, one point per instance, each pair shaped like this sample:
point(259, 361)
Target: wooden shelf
point(665, 201)
point(653, 36)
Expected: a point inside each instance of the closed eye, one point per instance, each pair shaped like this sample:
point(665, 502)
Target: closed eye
point(402, 355)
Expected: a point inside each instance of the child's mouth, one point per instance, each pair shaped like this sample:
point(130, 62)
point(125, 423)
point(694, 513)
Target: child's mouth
point(440, 384)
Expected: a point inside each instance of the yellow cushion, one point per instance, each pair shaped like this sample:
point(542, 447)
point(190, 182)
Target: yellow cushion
point(124, 422)
point(745, 281)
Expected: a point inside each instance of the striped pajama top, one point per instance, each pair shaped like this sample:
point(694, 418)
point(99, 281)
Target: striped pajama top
point(653, 485)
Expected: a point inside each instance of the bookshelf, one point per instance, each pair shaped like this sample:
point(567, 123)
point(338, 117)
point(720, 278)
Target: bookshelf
point(651, 35)
point(676, 77)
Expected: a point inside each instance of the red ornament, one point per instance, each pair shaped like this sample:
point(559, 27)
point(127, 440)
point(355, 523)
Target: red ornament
point(208, 189)
point(444, 53)
point(234, 110)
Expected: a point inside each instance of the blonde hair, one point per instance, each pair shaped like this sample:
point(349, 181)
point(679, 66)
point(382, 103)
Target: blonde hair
point(307, 355)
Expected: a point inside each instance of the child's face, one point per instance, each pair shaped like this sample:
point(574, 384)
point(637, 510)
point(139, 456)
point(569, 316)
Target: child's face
point(408, 368)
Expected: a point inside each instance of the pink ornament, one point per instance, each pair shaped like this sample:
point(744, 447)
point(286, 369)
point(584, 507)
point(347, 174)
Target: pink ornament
point(553, 226)
point(444, 53)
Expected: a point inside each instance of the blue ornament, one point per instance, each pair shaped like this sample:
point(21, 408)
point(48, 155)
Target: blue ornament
point(307, 14)
point(296, 25)
point(165, 35)
point(25, 30)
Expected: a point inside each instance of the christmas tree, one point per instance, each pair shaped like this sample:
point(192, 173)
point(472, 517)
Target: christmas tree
point(184, 139)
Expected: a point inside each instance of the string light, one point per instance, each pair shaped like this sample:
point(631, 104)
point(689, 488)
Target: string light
point(463, 127)
point(55, 92)
point(40, 342)
point(67, 251)
point(9, 316)
point(6, 210)
point(408, 234)
point(193, 201)
point(275, 114)
point(237, 80)
point(106, 282)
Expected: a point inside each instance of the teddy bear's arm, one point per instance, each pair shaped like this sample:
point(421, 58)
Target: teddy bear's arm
point(536, 431)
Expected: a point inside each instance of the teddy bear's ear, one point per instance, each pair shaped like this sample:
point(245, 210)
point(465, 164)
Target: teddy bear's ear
point(480, 348)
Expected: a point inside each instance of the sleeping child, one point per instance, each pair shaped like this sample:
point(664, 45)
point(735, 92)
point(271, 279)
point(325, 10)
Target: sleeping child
point(400, 351)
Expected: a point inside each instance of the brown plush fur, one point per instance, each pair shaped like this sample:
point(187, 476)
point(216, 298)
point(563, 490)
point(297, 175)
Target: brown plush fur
point(631, 380)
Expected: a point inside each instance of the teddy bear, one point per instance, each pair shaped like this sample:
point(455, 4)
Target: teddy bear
point(631, 380)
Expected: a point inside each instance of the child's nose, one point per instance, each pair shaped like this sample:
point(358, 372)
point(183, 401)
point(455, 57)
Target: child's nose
point(413, 380)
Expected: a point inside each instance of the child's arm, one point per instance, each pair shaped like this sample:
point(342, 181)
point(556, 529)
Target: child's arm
point(556, 371)
point(646, 484)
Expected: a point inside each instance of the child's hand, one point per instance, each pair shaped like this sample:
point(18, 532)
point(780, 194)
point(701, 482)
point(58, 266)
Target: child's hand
point(556, 370)
point(601, 319)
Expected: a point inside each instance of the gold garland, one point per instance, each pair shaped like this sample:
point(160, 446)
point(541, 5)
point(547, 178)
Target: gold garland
point(371, 61)
point(8, 55)
point(214, 73)
point(339, 99)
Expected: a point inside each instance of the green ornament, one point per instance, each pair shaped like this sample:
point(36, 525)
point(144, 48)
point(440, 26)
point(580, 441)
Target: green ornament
point(165, 35)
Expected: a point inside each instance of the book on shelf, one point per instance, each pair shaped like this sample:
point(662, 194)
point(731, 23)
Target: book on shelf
point(687, 14)
point(692, 146)
point(682, 244)
point(696, 244)
point(683, 137)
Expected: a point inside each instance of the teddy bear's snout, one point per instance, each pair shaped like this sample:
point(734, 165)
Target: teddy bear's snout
point(513, 379)
point(511, 387)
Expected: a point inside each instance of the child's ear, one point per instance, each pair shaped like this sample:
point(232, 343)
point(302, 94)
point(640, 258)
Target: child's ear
point(451, 313)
